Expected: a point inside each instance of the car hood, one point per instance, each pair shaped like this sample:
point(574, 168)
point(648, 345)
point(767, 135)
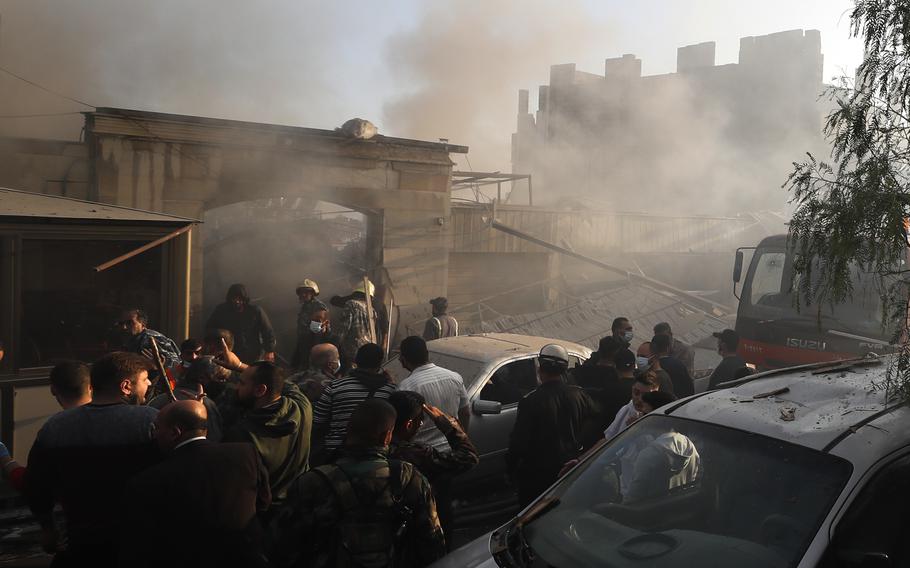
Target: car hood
point(475, 554)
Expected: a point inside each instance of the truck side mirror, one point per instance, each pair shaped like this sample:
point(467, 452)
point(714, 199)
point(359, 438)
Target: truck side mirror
point(738, 267)
point(482, 407)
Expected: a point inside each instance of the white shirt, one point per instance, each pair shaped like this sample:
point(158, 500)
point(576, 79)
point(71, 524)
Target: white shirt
point(185, 442)
point(441, 388)
point(621, 422)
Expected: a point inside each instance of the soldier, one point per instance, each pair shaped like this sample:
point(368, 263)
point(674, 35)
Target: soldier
point(133, 325)
point(549, 426)
point(440, 467)
point(363, 510)
point(441, 324)
point(354, 328)
point(310, 330)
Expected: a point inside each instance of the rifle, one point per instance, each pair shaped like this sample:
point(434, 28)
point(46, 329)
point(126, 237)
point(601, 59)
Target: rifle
point(162, 372)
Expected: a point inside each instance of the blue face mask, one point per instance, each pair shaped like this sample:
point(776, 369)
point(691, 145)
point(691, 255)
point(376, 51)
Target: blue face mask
point(628, 336)
point(642, 362)
point(316, 327)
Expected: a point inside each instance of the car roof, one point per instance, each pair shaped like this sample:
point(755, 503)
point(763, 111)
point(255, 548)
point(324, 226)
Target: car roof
point(489, 347)
point(829, 403)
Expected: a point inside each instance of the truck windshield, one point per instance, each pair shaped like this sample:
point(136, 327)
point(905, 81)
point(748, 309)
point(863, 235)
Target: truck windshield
point(771, 294)
point(675, 492)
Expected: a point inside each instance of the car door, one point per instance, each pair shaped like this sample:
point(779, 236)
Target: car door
point(506, 384)
point(873, 531)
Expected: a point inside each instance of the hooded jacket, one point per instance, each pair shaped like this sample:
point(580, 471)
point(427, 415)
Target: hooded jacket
point(280, 432)
point(670, 461)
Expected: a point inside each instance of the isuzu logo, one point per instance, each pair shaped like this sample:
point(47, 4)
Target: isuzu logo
point(807, 344)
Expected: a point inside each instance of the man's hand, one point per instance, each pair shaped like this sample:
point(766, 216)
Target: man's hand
point(228, 359)
point(270, 356)
point(442, 420)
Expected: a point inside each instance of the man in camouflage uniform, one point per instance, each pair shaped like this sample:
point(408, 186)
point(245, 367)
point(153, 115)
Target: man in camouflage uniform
point(363, 510)
point(439, 467)
point(133, 325)
point(354, 328)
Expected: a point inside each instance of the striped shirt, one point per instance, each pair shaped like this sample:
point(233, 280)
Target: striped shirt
point(341, 398)
point(441, 388)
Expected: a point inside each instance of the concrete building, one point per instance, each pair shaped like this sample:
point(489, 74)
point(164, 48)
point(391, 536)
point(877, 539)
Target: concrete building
point(708, 139)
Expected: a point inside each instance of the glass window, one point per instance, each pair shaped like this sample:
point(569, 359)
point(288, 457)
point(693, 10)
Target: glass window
point(673, 492)
point(767, 279)
point(877, 522)
point(511, 382)
point(68, 310)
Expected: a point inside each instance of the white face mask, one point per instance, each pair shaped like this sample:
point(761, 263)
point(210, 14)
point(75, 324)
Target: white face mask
point(627, 336)
point(642, 362)
point(316, 327)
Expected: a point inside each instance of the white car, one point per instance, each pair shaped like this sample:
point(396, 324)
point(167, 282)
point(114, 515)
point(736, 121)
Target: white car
point(498, 370)
point(808, 466)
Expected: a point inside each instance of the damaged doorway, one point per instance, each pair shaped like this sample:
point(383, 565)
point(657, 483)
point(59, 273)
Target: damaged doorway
point(271, 245)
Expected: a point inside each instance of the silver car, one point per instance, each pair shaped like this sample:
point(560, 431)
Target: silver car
point(498, 369)
point(799, 467)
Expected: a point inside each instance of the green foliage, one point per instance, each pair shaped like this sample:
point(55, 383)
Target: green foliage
point(851, 210)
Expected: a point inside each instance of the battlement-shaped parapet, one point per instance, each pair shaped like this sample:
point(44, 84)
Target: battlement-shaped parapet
point(697, 56)
point(626, 67)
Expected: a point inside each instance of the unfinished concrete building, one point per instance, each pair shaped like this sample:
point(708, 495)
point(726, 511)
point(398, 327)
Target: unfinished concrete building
point(708, 139)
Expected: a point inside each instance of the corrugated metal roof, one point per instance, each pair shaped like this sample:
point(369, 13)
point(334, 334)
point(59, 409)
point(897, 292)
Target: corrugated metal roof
point(37, 206)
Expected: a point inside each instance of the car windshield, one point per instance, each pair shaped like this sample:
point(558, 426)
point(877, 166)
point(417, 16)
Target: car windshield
point(675, 492)
point(468, 369)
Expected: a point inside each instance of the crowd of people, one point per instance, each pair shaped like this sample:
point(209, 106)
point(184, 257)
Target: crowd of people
point(224, 457)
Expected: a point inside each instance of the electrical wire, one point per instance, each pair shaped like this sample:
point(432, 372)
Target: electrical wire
point(43, 88)
point(39, 115)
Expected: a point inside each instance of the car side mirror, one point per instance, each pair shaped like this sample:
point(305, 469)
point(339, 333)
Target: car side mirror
point(738, 267)
point(482, 407)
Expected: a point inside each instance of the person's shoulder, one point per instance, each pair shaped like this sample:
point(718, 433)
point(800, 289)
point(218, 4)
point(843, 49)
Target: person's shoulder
point(63, 418)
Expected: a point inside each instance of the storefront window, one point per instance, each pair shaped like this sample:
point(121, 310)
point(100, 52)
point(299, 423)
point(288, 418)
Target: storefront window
point(68, 310)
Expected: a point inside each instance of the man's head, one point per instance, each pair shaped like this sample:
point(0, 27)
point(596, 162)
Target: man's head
point(180, 421)
point(202, 371)
point(644, 382)
point(71, 383)
point(660, 345)
point(237, 297)
point(440, 306)
point(663, 328)
point(727, 342)
point(371, 424)
point(369, 357)
point(211, 343)
point(190, 350)
point(260, 384)
point(622, 329)
point(625, 363)
point(553, 361)
point(132, 321)
point(324, 357)
point(607, 349)
point(121, 375)
point(307, 290)
point(414, 353)
point(319, 321)
point(651, 401)
point(408, 406)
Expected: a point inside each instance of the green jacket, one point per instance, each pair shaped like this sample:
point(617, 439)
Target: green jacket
point(347, 514)
point(281, 434)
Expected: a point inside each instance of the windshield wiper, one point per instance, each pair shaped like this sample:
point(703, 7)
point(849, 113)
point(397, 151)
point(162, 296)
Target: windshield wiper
point(519, 552)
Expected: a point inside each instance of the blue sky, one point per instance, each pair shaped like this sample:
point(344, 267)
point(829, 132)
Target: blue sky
point(427, 69)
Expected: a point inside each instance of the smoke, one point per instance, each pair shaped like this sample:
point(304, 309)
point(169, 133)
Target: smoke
point(267, 62)
point(463, 62)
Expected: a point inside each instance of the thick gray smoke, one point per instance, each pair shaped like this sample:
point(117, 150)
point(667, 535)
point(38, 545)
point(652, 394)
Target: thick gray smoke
point(463, 62)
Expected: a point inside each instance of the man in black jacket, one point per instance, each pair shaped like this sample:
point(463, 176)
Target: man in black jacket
point(253, 335)
point(548, 428)
point(205, 495)
point(683, 385)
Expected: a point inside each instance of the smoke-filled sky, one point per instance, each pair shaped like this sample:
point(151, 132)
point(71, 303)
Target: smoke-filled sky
point(417, 69)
